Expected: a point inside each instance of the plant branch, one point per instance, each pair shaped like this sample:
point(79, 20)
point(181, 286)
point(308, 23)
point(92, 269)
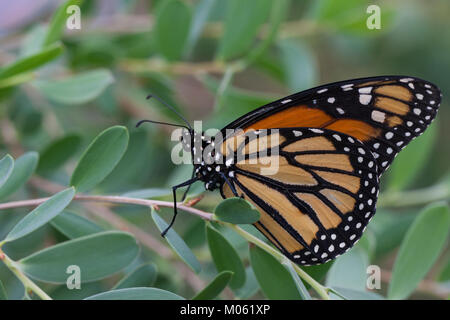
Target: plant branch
point(322, 291)
point(27, 283)
point(111, 199)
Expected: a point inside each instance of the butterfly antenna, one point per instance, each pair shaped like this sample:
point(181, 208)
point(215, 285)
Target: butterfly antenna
point(171, 108)
point(160, 122)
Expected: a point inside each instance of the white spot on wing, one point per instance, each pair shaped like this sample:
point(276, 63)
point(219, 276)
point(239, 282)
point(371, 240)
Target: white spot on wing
point(365, 90)
point(365, 99)
point(378, 116)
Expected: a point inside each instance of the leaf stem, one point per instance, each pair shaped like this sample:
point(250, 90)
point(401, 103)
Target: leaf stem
point(415, 197)
point(321, 290)
point(27, 283)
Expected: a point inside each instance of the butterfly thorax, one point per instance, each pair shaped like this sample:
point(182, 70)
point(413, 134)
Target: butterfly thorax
point(208, 164)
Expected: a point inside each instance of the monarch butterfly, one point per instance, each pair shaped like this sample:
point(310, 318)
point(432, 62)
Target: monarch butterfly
point(333, 141)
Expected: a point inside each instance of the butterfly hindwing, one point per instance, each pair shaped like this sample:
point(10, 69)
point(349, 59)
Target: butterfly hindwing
point(385, 113)
point(317, 203)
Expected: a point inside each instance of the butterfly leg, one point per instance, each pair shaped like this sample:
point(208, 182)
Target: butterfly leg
point(189, 186)
point(174, 194)
point(231, 185)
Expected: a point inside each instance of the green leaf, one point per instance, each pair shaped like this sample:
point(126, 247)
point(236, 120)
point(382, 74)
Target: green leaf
point(350, 294)
point(389, 228)
point(242, 22)
point(77, 89)
point(403, 169)
point(349, 16)
point(74, 226)
point(57, 153)
point(295, 56)
point(298, 282)
point(142, 276)
point(136, 294)
point(24, 167)
point(100, 158)
point(251, 286)
point(6, 168)
point(177, 244)
point(16, 80)
point(33, 41)
point(58, 22)
point(31, 62)
point(225, 256)
point(275, 280)
point(318, 271)
point(349, 270)
point(419, 250)
point(215, 287)
point(444, 274)
point(235, 102)
point(42, 214)
point(201, 14)
point(3, 295)
point(98, 256)
point(236, 211)
point(277, 15)
point(172, 28)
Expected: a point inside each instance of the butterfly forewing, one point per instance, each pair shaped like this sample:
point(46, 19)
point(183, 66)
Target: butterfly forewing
point(385, 113)
point(317, 203)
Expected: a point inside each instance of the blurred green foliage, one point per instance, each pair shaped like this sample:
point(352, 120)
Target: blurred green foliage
point(70, 99)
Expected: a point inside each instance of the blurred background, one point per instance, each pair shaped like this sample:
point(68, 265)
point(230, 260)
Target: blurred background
point(214, 61)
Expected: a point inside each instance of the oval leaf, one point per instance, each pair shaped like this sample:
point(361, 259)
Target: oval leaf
point(100, 158)
point(403, 170)
point(3, 295)
point(275, 280)
point(298, 56)
point(225, 257)
point(31, 62)
point(172, 28)
point(42, 214)
point(216, 286)
point(23, 169)
point(6, 168)
point(74, 226)
point(236, 211)
point(350, 294)
point(349, 270)
point(419, 250)
point(98, 256)
point(202, 12)
point(142, 276)
point(242, 22)
point(58, 22)
point(298, 282)
point(251, 286)
point(57, 153)
point(177, 244)
point(136, 294)
point(77, 89)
